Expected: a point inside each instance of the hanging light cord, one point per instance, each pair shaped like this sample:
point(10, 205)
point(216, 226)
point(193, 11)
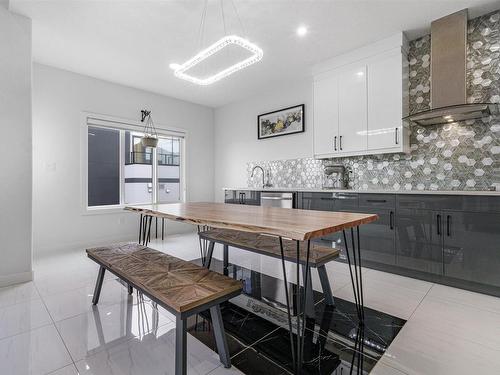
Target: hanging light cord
point(238, 17)
point(223, 18)
point(201, 30)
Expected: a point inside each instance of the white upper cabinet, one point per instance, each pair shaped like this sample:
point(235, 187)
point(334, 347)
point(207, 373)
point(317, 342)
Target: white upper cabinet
point(326, 112)
point(359, 101)
point(352, 109)
point(385, 102)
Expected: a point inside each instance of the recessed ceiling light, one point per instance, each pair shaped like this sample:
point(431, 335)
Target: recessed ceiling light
point(301, 30)
point(180, 69)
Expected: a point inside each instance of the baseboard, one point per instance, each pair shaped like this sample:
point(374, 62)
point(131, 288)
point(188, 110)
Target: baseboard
point(16, 278)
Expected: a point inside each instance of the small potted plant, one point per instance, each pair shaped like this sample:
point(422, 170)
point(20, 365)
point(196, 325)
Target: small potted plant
point(150, 137)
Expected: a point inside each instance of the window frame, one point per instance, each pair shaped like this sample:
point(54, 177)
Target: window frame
point(112, 122)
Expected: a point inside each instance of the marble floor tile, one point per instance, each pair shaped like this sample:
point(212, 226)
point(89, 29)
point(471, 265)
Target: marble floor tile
point(449, 331)
point(221, 370)
point(383, 369)
point(401, 281)
point(185, 246)
point(418, 350)
point(151, 354)
point(64, 261)
point(23, 317)
point(78, 301)
point(384, 296)
point(107, 325)
point(338, 274)
point(13, 294)
point(64, 282)
point(37, 352)
point(67, 370)
point(465, 297)
point(459, 321)
point(251, 361)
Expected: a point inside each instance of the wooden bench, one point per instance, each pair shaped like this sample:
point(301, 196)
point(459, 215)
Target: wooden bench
point(270, 246)
point(181, 287)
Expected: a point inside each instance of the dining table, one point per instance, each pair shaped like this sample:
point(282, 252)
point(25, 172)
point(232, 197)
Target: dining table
point(300, 226)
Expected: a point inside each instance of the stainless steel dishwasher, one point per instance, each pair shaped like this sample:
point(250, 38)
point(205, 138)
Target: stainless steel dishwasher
point(272, 199)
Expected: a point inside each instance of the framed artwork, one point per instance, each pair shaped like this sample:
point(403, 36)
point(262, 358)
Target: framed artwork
point(282, 122)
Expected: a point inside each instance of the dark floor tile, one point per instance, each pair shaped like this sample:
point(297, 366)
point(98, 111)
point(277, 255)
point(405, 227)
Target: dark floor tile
point(342, 320)
point(201, 328)
point(333, 342)
point(241, 326)
point(252, 362)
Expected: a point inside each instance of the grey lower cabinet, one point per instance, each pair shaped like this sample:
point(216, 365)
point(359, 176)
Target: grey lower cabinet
point(471, 246)
point(377, 239)
point(419, 240)
point(242, 197)
point(330, 202)
point(452, 239)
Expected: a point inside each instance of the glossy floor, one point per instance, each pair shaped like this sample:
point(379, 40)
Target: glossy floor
point(49, 325)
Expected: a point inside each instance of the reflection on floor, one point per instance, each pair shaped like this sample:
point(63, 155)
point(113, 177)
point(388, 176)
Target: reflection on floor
point(48, 326)
point(256, 325)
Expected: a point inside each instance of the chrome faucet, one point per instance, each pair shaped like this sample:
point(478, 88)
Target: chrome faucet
point(264, 183)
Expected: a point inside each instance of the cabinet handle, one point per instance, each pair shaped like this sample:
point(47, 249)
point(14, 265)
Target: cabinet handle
point(344, 196)
point(340, 141)
point(438, 217)
point(391, 220)
point(448, 225)
point(335, 143)
point(397, 135)
point(377, 200)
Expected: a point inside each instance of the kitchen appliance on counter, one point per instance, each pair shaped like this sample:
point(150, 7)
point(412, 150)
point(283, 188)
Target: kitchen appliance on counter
point(336, 177)
point(273, 199)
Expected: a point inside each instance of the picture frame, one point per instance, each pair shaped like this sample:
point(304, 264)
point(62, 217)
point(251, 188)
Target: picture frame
point(285, 121)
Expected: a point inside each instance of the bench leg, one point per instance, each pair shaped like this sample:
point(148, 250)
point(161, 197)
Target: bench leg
point(98, 285)
point(325, 285)
point(210, 252)
point(140, 229)
point(310, 294)
point(220, 337)
point(180, 347)
point(225, 258)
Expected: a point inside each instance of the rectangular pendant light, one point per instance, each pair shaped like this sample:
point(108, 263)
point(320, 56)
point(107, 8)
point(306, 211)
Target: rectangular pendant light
point(180, 69)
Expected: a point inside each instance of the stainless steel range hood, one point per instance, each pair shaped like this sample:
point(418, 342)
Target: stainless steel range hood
point(448, 75)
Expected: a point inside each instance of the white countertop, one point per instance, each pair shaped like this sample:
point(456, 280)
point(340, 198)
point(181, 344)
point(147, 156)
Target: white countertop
point(430, 192)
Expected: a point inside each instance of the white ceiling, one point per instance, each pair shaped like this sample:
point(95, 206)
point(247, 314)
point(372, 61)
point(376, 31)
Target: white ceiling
point(133, 42)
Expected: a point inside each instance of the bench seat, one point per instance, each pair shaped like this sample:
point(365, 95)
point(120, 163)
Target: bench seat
point(181, 287)
point(270, 246)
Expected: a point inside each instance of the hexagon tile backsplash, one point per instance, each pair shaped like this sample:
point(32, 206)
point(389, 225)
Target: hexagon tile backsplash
point(458, 156)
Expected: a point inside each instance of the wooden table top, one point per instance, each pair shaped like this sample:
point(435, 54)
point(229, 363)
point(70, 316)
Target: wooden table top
point(285, 222)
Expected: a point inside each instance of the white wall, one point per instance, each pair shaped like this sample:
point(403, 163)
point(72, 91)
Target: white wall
point(236, 140)
point(15, 151)
point(59, 97)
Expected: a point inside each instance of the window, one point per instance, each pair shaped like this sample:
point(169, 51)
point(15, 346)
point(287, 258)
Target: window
point(103, 166)
point(120, 170)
